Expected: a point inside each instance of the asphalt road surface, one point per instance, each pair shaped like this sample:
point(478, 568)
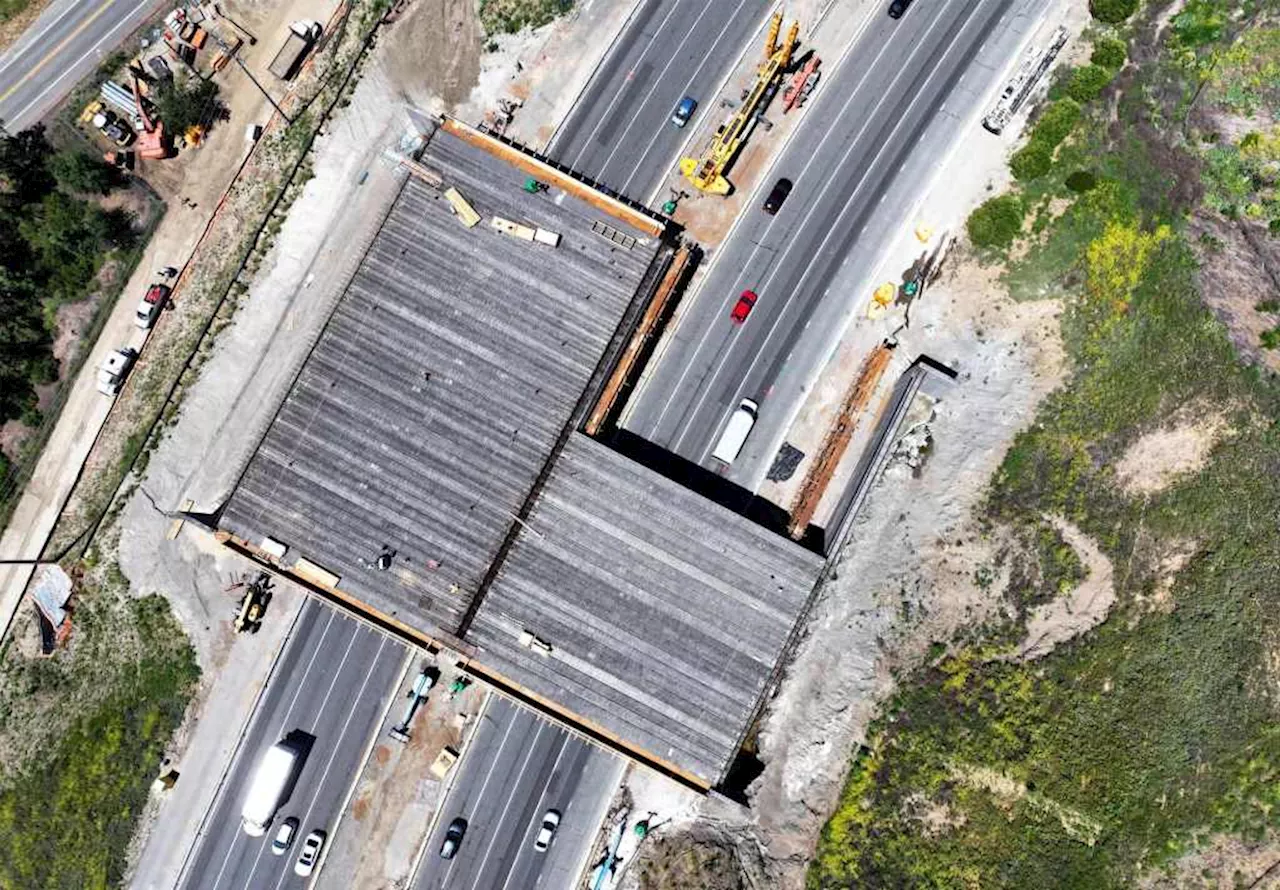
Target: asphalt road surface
point(619, 132)
point(516, 767)
point(63, 45)
point(877, 127)
point(332, 681)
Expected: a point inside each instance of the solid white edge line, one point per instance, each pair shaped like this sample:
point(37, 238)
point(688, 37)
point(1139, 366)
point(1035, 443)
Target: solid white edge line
point(883, 145)
point(446, 790)
point(964, 130)
point(410, 654)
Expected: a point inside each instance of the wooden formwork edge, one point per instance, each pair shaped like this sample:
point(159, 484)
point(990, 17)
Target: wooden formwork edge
point(545, 172)
point(365, 612)
point(838, 438)
point(357, 608)
point(588, 728)
point(643, 331)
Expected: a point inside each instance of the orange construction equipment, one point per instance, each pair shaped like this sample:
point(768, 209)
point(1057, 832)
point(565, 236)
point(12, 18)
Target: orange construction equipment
point(151, 140)
point(837, 439)
point(802, 84)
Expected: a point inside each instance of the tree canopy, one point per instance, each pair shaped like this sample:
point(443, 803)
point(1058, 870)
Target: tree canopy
point(187, 104)
point(52, 243)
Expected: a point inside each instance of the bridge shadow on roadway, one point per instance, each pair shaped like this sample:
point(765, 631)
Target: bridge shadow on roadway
point(710, 485)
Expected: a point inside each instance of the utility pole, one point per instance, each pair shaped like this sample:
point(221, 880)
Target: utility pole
point(261, 88)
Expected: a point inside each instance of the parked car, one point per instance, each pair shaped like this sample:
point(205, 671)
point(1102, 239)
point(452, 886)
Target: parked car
point(684, 111)
point(115, 367)
point(742, 308)
point(452, 837)
point(777, 196)
point(550, 822)
point(151, 304)
point(897, 8)
point(284, 836)
point(311, 848)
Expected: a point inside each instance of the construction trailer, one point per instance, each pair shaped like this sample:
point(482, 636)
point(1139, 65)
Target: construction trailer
point(1035, 62)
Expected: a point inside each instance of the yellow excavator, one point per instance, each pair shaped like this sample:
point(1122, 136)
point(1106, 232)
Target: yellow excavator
point(707, 172)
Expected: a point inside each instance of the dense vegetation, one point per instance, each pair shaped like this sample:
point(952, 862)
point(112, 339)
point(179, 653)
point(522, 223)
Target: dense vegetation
point(11, 8)
point(188, 103)
point(1118, 752)
point(70, 803)
point(52, 243)
point(997, 222)
point(510, 16)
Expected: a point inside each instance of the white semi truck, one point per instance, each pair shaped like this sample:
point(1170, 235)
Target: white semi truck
point(274, 773)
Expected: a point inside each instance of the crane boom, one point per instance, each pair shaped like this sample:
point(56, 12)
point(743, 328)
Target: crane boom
point(707, 172)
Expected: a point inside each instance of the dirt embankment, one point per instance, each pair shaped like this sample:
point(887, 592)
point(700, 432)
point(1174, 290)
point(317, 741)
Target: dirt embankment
point(11, 28)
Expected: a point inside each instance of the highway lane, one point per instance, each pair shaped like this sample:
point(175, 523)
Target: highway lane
point(62, 46)
point(860, 134)
point(620, 132)
point(517, 766)
point(333, 681)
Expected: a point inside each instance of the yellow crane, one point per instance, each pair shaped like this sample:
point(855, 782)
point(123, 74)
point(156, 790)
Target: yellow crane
point(707, 172)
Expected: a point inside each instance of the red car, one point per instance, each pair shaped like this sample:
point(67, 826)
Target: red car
point(742, 308)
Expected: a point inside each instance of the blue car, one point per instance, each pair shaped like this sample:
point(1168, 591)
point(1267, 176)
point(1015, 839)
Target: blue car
point(684, 111)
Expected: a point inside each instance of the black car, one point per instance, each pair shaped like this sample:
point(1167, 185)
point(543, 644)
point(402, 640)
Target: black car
point(897, 8)
point(781, 189)
point(452, 837)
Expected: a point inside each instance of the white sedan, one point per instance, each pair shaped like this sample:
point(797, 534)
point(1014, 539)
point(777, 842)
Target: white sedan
point(311, 848)
point(550, 822)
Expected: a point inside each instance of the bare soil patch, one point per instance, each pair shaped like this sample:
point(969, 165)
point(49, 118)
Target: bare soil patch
point(705, 859)
point(11, 29)
point(1166, 561)
point(1083, 608)
point(1158, 458)
point(1239, 268)
point(1222, 861)
point(432, 55)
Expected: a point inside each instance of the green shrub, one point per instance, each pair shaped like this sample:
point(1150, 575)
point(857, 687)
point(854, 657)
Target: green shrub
point(1087, 82)
point(1057, 122)
point(79, 172)
point(1268, 306)
point(1271, 339)
point(511, 16)
point(1113, 12)
point(997, 222)
point(1081, 181)
point(1109, 52)
point(1031, 161)
point(191, 103)
point(1199, 23)
point(67, 817)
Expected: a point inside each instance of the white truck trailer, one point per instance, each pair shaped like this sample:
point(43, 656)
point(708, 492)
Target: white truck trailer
point(274, 773)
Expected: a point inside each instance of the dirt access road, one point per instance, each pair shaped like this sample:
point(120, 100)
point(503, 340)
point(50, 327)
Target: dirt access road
point(201, 177)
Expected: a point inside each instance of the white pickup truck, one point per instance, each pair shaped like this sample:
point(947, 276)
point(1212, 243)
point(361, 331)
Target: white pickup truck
point(114, 368)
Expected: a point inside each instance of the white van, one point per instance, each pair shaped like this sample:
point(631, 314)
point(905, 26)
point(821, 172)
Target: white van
point(736, 432)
